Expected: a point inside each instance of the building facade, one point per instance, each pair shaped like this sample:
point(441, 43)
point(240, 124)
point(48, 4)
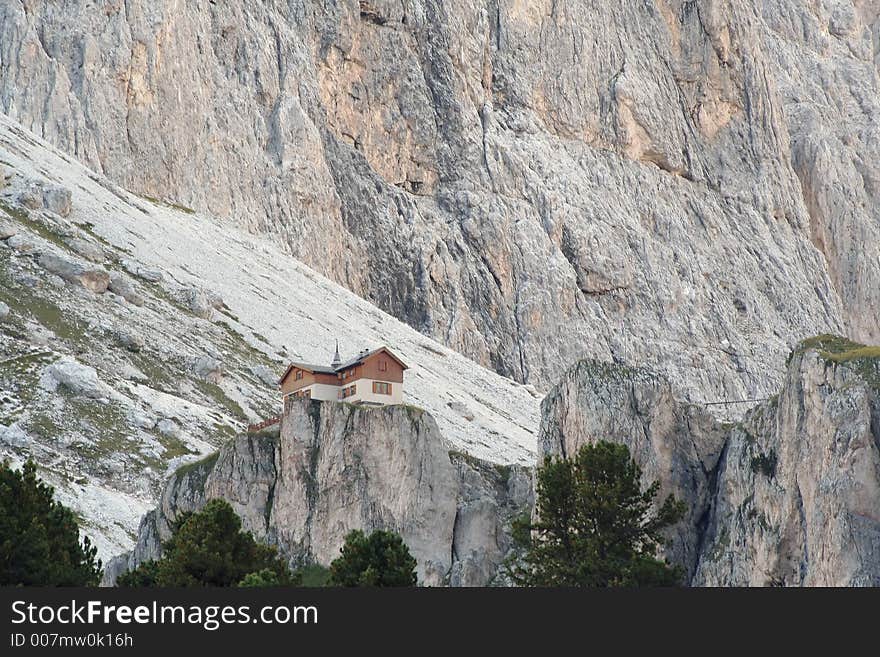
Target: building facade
point(372, 377)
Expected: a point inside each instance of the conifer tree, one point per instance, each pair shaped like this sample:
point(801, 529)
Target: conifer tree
point(595, 526)
point(39, 537)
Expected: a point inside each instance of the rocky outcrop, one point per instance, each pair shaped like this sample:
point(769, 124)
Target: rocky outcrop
point(689, 185)
point(673, 442)
point(798, 486)
point(789, 496)
point(93, 279)
point(335, 467)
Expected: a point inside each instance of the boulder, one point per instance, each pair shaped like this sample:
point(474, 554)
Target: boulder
point(120, 284)
point(14, 436)
point(74, 377)
point(86, 249)
point(198, 302)
point(4, 311)
point(22, 243)
point(7, 230)
point(266, 375)
point(462, 409)
point(209, 368)
point(129, 341)
point(136, 269)
point(94, 279)
point(31, 198)
point(57, 199)
point(168, 428)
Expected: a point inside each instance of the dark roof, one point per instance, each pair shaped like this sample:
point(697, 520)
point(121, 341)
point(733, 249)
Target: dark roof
point(351, 362)
point(362, 356)
point(317, 369)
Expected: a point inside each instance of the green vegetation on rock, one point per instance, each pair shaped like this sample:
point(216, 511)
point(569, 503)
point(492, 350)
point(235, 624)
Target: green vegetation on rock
point(862, 359)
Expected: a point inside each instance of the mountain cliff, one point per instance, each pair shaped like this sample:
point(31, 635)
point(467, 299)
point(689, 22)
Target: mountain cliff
point(788, 496)
point(686, 185)
point(136, 336)
point(335, 467)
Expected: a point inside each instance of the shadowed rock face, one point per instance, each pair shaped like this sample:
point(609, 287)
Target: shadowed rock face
point(799, 483)
point(687, 185)
point(673, 442)
point(789, 496)
point(335, 468)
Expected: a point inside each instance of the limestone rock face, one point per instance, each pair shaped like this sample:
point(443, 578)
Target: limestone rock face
point(788, 496)
point(335, 468)
point(673, 442)
point(799, 483)
point(686, 185)
point(351, 469)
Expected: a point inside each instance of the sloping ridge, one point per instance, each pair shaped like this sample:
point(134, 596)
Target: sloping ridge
point(282, 309)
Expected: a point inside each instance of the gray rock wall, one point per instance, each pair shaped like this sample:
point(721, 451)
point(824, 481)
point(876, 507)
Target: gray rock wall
point(789, 496)
point(688, 185)
point(335, 468)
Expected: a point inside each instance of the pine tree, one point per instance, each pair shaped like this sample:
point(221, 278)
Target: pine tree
point(595, 525)
point(39, 537)
point(209, 548)
point(380, 559)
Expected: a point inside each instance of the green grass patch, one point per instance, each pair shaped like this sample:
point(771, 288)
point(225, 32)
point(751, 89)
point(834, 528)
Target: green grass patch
point(22, 216)
point(862, 359)
point(107, 424)
point(20, 375)
point(174, 447)
point(204, 465)
point(224, 432)
point(26, 302)
point(43, 425)
point(215, 393)
point(167, 204)
point(160, 376)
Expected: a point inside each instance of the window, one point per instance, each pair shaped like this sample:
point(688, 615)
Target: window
point(383, 365)
point(299, 375)
point(381, 388)
point(350, 391)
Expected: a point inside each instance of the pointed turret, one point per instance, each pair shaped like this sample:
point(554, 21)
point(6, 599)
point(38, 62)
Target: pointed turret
point(337, 361)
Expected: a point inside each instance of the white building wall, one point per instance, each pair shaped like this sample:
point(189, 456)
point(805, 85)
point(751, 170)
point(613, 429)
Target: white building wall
point(324, 392)
point(321, 391)
point(365, 393)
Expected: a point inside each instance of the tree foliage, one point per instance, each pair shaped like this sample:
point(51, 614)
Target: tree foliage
point(262, 578)
point(380, 559)
point(209, 548)
point(595, 525)
point(39, 537)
